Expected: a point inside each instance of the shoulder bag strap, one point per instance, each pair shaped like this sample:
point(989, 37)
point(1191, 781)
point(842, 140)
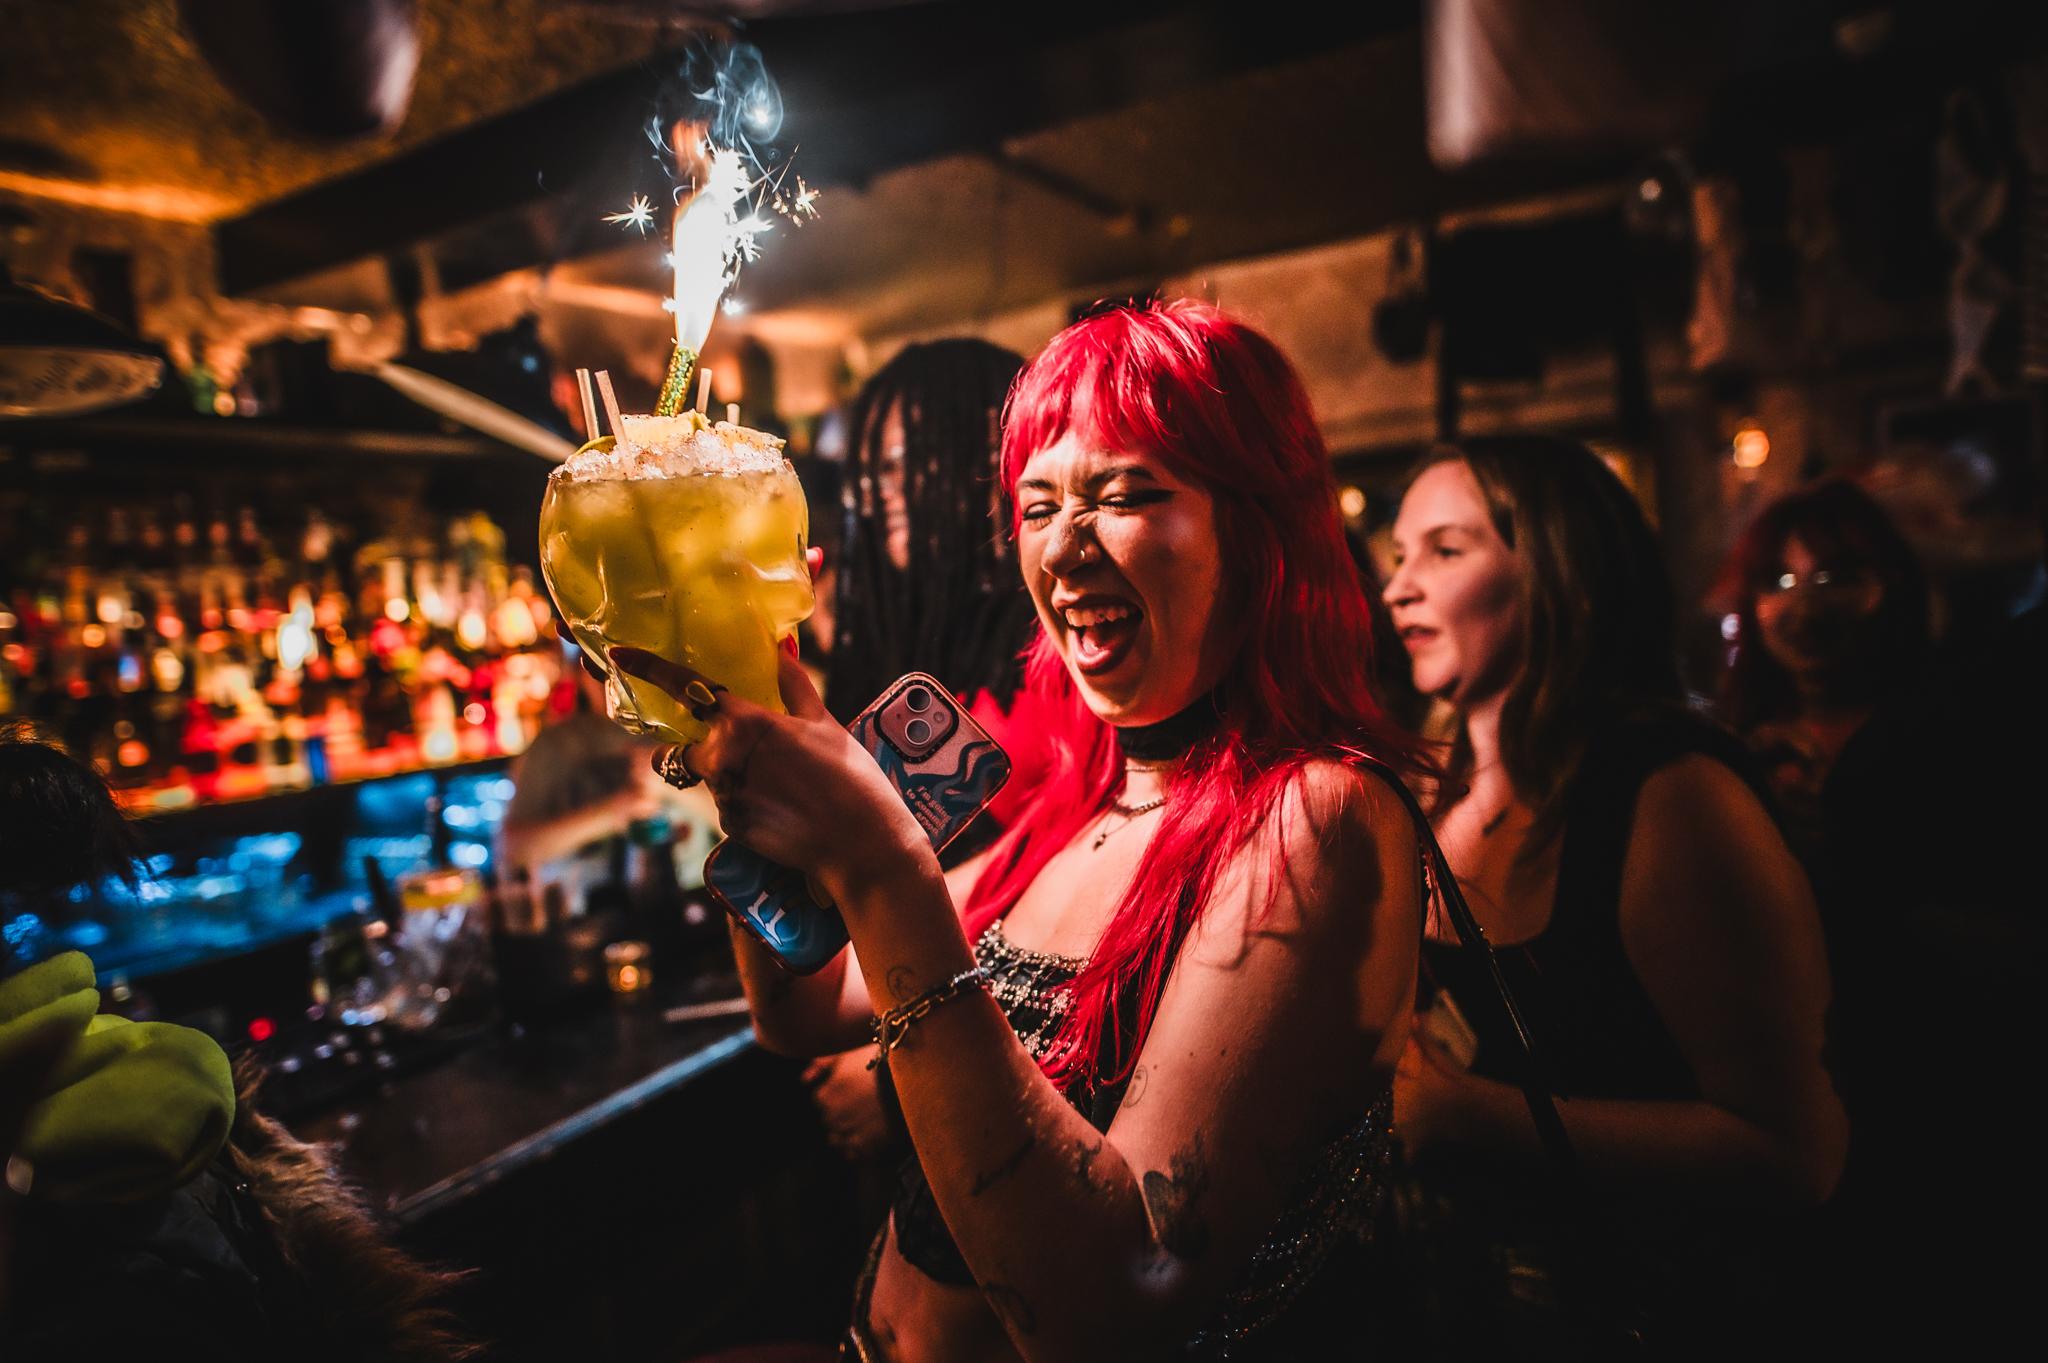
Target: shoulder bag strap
point(1534, 1076)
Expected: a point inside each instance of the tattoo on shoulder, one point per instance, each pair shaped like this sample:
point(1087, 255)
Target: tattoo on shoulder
point(1010, 1307)
point(901, 980)
point(1171, 1199)
point(984, 1182)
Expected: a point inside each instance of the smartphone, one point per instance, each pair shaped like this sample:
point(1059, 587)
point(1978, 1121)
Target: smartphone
point(944, 767)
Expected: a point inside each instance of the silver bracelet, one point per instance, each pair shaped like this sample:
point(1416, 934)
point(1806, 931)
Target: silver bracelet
point(888, 1029)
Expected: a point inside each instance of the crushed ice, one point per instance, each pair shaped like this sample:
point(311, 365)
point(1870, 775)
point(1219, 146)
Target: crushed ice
point(677, 447)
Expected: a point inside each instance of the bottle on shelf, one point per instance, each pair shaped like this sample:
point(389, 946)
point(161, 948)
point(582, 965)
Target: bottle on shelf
point(200, 649)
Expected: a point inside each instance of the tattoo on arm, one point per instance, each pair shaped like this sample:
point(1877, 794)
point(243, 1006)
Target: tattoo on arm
point(1135, 1090)
point(1171, 1199)
point(1084, 1165)
point(901, 981)
point(1010, 1307)
point(984, 1182)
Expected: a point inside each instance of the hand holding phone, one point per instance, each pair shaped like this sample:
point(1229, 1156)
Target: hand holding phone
point(943, 766)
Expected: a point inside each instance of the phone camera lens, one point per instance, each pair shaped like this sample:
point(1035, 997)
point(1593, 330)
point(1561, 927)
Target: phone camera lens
point(918, 699)
point(918, 732)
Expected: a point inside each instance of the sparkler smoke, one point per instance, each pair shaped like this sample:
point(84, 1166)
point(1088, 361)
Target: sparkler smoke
point(728, 90)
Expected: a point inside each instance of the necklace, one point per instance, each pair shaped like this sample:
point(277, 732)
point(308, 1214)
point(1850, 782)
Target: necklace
point(1130, 813)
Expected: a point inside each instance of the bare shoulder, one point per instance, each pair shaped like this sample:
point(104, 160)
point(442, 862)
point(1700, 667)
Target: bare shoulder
point(1337, 840)
point(1704, 852)
point(1698, 806)
point(1331, 801)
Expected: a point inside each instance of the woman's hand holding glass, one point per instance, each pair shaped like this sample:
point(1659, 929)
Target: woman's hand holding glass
point(795, 788)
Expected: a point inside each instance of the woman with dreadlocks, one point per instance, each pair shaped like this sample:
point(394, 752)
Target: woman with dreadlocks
point(1146, 1062)
point(925, 580)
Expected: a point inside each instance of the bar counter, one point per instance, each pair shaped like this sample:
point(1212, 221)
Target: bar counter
point(421, 1143)
point(619, 1185)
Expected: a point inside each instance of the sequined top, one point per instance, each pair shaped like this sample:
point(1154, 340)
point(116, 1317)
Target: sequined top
point(1327, 1217)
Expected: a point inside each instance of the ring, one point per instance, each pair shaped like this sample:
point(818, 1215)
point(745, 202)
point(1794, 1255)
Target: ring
point(702, 698)
point(670, 767)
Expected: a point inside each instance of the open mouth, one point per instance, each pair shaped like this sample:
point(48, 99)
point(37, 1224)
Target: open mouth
point(1103, 633)
point(1415, 636)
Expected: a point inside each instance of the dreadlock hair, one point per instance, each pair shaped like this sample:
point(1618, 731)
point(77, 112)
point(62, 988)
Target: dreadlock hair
point(1222, 407)
point(958, 610)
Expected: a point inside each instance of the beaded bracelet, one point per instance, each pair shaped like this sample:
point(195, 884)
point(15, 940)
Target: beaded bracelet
point(889, 1029)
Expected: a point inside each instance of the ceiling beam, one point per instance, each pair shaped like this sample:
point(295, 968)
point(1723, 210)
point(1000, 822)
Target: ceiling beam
point(866, 93)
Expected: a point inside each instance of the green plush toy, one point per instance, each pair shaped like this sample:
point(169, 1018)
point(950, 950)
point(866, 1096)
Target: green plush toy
point(133, 1110)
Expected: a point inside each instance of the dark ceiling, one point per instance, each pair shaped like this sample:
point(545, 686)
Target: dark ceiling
point(976, 157)
point(1161, 130)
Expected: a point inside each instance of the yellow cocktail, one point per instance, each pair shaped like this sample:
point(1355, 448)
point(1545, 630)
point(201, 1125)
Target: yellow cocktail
point(685, 539)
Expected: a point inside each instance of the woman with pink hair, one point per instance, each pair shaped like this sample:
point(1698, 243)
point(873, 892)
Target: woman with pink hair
point(1145, 1058)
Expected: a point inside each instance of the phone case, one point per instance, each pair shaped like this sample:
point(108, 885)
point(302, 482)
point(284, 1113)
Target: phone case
point(945, 773)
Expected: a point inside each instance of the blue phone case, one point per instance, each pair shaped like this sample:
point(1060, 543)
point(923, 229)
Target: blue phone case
point(945, 784)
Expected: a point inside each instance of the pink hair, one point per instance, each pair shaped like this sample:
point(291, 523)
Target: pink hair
point(1219, 405)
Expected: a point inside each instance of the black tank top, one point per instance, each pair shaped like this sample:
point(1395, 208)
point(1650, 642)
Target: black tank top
point(1600, 1032)
point(1499, 1239)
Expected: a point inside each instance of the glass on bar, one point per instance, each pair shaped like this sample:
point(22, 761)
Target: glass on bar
point(628, 967)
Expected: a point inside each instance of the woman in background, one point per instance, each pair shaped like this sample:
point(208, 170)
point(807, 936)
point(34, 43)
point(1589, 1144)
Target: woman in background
point(1832, 619)
point(1643, 907)
point(927, 575)
point(925, 579)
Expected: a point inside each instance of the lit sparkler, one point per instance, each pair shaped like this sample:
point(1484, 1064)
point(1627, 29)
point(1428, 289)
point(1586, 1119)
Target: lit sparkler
point(719, 228)
point(797, 205)
point(639, 213)
point(717, 232)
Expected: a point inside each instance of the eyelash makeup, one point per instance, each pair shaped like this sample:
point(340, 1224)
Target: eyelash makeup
point(1122, 501)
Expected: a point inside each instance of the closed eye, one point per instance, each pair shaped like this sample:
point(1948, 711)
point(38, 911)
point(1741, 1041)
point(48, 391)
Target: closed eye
point(1038, 511)
point(1130, 501)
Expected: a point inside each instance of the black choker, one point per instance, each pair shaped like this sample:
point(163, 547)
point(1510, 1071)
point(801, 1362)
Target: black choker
point(1174, 735)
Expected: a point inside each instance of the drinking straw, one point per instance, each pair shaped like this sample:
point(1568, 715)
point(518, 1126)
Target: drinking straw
point(583, 390)
point(704, 391)
point(611, 401)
